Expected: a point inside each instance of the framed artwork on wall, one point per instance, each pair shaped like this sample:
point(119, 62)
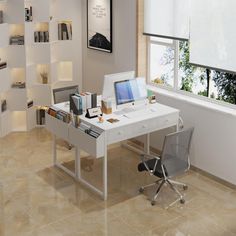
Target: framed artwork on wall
point(99, 25)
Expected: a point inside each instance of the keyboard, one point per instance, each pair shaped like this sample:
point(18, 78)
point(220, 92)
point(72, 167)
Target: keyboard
point(138, 113)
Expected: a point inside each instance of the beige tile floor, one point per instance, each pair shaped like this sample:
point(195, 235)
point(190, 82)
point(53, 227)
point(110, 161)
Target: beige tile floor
point(37, 199)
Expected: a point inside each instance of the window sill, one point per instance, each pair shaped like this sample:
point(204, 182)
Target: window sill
point(192, 100)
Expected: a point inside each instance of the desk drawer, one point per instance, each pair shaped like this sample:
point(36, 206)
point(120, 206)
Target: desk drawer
point(57, 127)
point(163, 122)
point(89, 144)
point(141, 128)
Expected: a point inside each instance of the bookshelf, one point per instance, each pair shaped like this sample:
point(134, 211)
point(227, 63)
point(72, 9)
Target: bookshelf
point(38, 56)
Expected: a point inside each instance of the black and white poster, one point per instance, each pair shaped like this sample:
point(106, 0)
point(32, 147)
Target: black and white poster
point(100, 25)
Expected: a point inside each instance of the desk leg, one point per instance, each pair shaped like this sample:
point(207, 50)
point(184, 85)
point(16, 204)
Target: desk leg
point(147, 144)
point(77, 164)
point(54, 149)
point(105, 175)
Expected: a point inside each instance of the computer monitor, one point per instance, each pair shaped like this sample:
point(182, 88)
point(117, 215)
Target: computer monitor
point(63, 94)
point(109, 80)
point(130, 92)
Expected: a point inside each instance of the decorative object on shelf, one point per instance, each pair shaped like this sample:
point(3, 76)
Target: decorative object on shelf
point(3, 105)
point(19, 85)
point(44, 76)
point(29, 14)
point(1, 17)
point(99, 26)
point(65, 31)
point(17, 40)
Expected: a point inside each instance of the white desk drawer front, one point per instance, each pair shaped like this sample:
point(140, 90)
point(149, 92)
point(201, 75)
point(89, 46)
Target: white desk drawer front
point(163, 122)
point(141, 128)
point(91, 145)
point(57, 127)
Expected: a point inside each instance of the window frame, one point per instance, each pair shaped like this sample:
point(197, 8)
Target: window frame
point(175, 88)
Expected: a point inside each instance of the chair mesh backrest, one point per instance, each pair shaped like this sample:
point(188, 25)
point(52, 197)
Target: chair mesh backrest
point(175, 154)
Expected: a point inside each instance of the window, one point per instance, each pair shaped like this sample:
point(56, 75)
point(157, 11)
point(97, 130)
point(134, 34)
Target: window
point(162, 54)
point(169, 66)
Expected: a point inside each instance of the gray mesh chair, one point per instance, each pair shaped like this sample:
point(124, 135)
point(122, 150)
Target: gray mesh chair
point(173, 161)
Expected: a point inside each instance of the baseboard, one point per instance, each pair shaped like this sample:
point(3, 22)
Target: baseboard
point(213, 177)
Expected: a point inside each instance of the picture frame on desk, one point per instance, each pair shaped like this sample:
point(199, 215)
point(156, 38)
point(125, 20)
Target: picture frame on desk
point(99, 25)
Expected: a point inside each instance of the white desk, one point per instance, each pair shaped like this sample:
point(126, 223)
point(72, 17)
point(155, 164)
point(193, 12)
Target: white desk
point(161, 117)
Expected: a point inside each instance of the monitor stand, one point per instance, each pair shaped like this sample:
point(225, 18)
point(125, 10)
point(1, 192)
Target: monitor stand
point(132, 107)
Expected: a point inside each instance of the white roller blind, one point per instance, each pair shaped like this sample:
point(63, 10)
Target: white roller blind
point(213, 34)
point(167, 18)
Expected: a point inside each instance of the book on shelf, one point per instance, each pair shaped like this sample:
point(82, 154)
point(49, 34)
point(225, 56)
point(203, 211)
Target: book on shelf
point(17, 40)
point(65, 31)
point(41, 36)
point(18, 84)
point(28, 14)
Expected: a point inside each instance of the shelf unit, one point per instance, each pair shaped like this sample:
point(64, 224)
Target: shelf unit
point(41, 63)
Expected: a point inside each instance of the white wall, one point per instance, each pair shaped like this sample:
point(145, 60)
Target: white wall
point(214, 142)
point(123, 58)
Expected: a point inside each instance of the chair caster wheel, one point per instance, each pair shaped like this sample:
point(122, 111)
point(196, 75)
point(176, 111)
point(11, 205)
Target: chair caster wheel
point(182, 201)
point(141, 190)
point(185, 187)
point(153, 203)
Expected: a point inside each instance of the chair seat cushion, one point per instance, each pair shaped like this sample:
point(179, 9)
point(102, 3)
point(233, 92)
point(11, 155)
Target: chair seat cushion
point(172, 166)
point(151, 164)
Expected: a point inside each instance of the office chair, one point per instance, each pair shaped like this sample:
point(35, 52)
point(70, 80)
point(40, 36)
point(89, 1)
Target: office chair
point(173, 161)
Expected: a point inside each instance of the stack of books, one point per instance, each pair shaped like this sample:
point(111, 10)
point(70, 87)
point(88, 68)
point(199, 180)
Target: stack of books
point(17, 40)
point(1, 17)
point(28, 14)
point(3, 65)
point(59, 114)
point(64, 31)
point(80, 102)
point(41, 36)
point(18, 85)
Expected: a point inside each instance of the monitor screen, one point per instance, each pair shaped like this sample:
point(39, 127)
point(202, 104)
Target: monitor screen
point(129, 91)
point(123, 92)
point(63, 94)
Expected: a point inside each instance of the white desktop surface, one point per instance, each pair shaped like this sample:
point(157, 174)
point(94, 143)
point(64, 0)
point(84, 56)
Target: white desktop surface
point(158, 110)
